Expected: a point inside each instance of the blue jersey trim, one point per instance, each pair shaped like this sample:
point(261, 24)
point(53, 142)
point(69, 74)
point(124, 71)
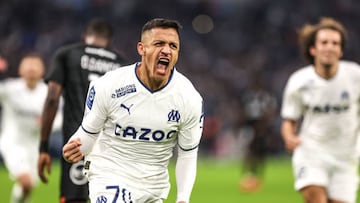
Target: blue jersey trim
point(171, 76)
point(188, 149)
point(88, 131)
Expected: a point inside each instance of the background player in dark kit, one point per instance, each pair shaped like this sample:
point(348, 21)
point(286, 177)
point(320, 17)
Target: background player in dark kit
point(260, 106)
point(73, 67)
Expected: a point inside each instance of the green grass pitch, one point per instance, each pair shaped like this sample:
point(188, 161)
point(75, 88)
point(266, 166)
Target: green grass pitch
point(217, 181)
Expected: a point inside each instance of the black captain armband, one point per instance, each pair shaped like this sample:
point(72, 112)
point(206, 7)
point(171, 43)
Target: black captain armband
point(44, 146)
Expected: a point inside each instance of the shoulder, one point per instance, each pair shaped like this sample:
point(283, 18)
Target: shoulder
point(106, 55)
point(12, 82)
point(349, 66)
point(349, 71)
point(12, 85)
point(70, 47)
point(119, 57)
point(349, 63)
point(120, 73)
point(305, 71)
point(115, 76)
point(68, 50)
point(186, 87)
point(107, 84)
point(301, 77)
point(302, 72)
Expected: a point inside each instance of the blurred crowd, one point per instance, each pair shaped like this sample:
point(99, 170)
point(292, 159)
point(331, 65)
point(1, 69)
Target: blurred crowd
point(225, 44)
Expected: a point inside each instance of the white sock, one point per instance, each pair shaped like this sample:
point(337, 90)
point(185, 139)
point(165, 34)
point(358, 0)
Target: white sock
point(17, 195)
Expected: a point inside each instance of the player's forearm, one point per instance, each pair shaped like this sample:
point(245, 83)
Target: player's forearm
point(49, 113)
point(289, 134)
point(87, 140)
point(288, 128)
point(185, 174)
point(47, 119)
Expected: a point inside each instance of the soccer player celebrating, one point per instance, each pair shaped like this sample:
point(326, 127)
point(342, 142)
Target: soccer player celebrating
point(325, 95)
point(134, 118)
point(73, 67)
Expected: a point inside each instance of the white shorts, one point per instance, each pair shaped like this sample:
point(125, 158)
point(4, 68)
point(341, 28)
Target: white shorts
point(339, 177)
point(20, 159)
point(110, 190)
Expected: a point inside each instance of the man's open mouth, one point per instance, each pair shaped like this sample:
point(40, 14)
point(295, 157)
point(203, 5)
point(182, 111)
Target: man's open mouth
point(162, 65)
point(164, 62)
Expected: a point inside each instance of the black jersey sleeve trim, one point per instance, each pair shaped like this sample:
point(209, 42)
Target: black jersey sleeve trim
point(189, 149)
point(89, 132)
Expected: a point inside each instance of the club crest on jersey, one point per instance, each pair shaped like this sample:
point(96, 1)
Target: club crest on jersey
point(344, 95)
point(101, 199)
point(174, 116)
point(124, 90)
point(91, 97)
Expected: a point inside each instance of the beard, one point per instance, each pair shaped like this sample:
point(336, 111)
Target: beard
point(327, 66)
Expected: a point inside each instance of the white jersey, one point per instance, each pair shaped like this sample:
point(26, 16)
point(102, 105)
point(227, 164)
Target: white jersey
point(139, 128)
point(21, 111)
point(329, 108)
point(20, 126)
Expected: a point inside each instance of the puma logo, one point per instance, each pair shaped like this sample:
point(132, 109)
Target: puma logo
point(127, 108)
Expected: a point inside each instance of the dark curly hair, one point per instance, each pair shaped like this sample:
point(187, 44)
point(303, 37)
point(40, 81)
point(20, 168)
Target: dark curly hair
point(307, 35)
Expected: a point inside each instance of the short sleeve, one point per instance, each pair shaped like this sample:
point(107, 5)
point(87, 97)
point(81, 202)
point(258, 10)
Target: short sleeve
point(191, 130)
point(95, 107)
point(291, 104)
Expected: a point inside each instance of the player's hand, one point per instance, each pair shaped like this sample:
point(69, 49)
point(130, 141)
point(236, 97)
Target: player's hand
point(71, 151)
point(181, 202)
point(44, 162)
point(291, 142)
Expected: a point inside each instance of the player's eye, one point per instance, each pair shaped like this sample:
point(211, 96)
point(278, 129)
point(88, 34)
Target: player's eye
point(159, 44)
point(173, 46)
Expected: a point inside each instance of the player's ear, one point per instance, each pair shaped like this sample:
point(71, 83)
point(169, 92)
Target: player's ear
point(312, 51)
point(140, 48)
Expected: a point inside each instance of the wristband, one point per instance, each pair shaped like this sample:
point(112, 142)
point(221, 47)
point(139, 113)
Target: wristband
point(44, 146)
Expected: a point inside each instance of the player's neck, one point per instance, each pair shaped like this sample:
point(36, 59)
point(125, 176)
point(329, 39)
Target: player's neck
point(97, 41)
point(326, 71)
point(31, 84)
point(144, 77)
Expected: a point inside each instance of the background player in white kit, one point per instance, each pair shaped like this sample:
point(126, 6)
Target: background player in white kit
point(22, 101)
point(134, 118)
point(326, 95)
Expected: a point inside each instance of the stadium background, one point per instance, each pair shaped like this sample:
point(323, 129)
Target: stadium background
point(222, 43)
